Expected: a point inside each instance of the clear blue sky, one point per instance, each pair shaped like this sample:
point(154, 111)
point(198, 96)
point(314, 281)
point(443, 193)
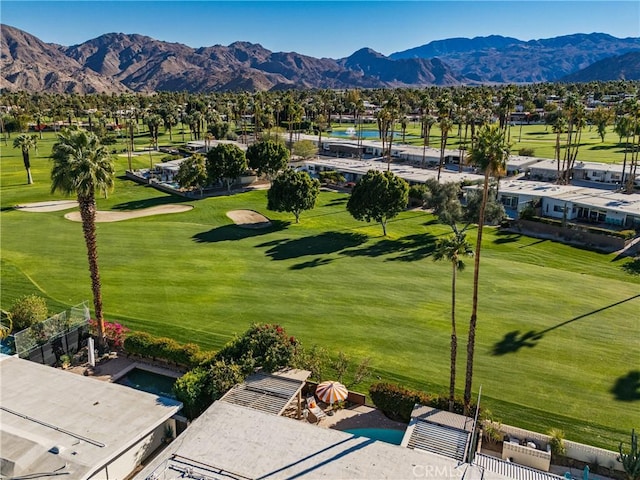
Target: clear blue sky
point(319, 28)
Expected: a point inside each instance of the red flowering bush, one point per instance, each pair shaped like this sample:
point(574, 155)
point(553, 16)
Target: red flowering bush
point(114, 333)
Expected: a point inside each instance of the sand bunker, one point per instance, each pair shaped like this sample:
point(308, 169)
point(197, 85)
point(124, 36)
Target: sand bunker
point(117, 216)
point(50, 206)
point(248, 219)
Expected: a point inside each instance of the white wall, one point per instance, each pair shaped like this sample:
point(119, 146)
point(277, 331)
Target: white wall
point(125, 464)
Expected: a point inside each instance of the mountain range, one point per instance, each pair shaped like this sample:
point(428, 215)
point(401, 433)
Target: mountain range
point(118, 62)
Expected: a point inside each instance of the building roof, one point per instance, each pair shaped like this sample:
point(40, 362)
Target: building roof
point(270, 393)
point(512, 470)
point(440, 432)
point(407, 172)
point(582, 196)
point(52, 419)
point(233, 442)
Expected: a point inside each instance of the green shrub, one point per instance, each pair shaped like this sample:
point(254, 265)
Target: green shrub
point(627, 234)
point(146, 345)
point(556, 441)
point(28, 310)
point(266, 346)
point(397, 402)
point(191, 389)
point(222, 377)
point(417, 194)
point(137, 343)
point(526, 152)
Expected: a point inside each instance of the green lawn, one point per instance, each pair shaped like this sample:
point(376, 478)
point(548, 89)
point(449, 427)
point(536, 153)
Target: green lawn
point(338, 283)
point(538, 137)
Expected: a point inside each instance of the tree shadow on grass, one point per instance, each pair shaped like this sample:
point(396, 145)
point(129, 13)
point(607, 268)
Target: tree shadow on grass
point(632, 267)
point(234, 232)
point(406, 249)
point(513, 341)
point(336, 202)
point(322, 244)
point(507, 237)
point(627, 387)
point(316, 262)
point(152, 202)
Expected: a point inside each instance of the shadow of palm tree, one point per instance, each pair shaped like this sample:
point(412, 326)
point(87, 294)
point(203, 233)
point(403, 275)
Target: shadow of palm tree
point(514, 341)
point(406, 249)
point(235, 232)
point(627, 387)
point(632, 267)
point(322, 244)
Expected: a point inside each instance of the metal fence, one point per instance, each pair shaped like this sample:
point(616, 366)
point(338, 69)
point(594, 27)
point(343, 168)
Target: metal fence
point(62, 334)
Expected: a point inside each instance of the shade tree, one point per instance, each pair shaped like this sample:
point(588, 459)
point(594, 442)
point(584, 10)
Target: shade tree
point(267, 157)
point(293, 191)
point(378, 196)
point(225, 162)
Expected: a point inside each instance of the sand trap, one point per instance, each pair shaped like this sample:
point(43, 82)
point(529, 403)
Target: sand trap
point(50, 206)
point(248, 219)
point(117, 216)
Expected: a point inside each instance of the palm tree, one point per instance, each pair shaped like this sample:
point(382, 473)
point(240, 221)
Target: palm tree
point(25, 143)
point(81, 165)
point(490, 154)
point(453, 249)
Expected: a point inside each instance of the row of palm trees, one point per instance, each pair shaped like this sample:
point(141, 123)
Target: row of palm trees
point(466, 108)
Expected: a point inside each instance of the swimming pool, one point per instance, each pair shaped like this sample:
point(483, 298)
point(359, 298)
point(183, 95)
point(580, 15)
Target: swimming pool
point(382, 434)
point(369, 134)
point(150, 382)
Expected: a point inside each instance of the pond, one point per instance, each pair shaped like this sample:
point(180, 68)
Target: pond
point(368, 134)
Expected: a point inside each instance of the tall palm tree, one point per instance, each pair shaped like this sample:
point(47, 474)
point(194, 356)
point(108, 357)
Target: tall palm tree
point(453, 249)
point(490, 154)
point(81, 165)
point(25, 143)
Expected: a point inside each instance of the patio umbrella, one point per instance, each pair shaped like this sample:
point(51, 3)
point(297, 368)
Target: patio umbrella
point(330, 392)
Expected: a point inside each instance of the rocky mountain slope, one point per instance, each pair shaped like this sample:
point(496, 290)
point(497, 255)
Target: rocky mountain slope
point(620, 67)
point(118, 62)
point(32, 65)
point(508, 60)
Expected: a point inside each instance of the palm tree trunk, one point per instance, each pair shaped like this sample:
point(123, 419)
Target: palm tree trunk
point(88, 215)
point(474, 309)
point(454, 339)
point(27, 166)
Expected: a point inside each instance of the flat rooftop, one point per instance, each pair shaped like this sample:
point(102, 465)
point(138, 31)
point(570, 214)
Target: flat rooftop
point(578, 195)
point(234, 442)
point(87, 421)
point(407, 172)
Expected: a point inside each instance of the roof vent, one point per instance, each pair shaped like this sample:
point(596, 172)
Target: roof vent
point(56, 449)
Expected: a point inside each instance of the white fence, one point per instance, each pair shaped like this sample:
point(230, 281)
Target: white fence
point(577, 451)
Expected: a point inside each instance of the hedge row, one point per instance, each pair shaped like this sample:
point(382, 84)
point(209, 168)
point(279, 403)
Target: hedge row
point(188, 355)
point(397, 402)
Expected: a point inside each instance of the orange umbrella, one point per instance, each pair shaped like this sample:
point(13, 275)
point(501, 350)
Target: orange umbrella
point(331, 392)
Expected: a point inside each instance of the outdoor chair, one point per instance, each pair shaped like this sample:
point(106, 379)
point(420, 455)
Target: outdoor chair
point(315, 412)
